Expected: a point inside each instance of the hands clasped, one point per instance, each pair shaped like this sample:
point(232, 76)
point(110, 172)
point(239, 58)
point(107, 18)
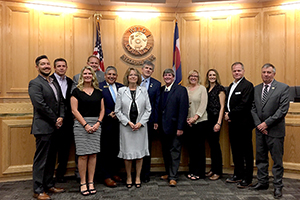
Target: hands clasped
point(135, 127)
point(92, 129)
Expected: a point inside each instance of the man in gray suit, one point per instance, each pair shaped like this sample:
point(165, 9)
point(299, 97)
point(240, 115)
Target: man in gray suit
point(48, 117)
point(271, 104)
point(94, 62)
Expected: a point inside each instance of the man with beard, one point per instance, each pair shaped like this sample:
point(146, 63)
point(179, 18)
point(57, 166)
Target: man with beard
point(48, 117)
point(109, 162)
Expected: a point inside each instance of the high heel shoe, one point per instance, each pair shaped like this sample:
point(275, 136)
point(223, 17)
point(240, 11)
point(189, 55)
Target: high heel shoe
point(92, 191)
point(129, 185)
point(84, 192)
point(138, 185)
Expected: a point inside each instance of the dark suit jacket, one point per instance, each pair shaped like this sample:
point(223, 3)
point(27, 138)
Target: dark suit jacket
point(154, 95)
point(174, 114)
point(273, 110)
point(240, 104)
point(67, 102)
point(46, 108)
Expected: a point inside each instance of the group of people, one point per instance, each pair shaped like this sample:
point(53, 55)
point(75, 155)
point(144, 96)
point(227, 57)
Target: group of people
point(119, 121)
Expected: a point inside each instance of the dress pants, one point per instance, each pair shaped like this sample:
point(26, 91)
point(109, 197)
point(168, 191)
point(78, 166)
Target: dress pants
point(171, 149)
point(195, 142)
point(44, 163)
point(65, 138)
point(242, 150)
point(213, 139)
point(264, 144)
point(147, 159)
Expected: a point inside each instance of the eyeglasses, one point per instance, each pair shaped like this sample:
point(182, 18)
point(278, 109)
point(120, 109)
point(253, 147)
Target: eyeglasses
point(194, 76)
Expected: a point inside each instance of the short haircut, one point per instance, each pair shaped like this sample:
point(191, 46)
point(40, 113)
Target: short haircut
point(194, 71)
point(237, 63)
point(267, 65)
point(92, 56)
point(148, 62)
point(37, 60)
point(58, 60)
point(125, 78)
point(169, 71)
point(111, 68)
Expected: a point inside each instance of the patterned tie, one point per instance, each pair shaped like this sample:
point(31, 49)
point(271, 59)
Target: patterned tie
point(112, 93)
point(144, 83)
point(265, 94)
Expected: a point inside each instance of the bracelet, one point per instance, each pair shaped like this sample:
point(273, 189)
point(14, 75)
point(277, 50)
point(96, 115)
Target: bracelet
point(100, 122)
point(85, 125)
point(219, 124)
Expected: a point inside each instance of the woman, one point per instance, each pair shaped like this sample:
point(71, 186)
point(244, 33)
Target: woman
point(215, 111)
point(196, 121)
point(133, 111)
point(88, 108)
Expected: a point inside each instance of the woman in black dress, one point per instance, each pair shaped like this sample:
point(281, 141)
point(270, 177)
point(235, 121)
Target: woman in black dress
point(215, 112)
point(88, 108)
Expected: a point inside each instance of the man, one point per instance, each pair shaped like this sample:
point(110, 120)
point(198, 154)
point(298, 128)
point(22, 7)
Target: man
point(153, 87)
point(109, 162)
point(173, 111)
point(47, 119)
point(271, 104)
point(94, 62)
point(65, 136)
point(238, 115)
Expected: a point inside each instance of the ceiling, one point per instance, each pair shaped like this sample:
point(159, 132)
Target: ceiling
point(168, 3)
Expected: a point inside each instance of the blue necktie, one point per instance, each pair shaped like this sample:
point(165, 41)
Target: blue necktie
point(112, 93)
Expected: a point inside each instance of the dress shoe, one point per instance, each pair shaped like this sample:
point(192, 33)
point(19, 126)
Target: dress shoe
point(259, 186)
point(233, 179)
point(117, 178)
point(172, 183)
point(164, 177)
point(110, 183)
point(41, 196)
point(56, 190)
point(209, 174)
point(277, 193)
point(214, 177)
point(146, 179)
point(244, 184)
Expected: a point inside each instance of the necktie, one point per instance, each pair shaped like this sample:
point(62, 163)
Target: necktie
point(265, 94)
point(144, 83)
point(112, 93)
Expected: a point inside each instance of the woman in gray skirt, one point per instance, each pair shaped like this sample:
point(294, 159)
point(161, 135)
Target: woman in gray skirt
point(88, 108)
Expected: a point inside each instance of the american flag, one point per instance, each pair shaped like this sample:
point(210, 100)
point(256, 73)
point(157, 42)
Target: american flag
point(176, 57)
point(98, 46)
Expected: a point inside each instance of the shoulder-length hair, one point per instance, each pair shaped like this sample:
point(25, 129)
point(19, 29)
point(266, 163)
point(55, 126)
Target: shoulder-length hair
point(190, 74)
point(218, 80)
point(95, 83)
point(125, 78)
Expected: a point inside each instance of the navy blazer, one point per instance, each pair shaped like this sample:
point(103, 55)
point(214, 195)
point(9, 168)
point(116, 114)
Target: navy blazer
point(67, 101)
point(241, 103)
point(46, 108)
point(173, 115)
point(109, 103)
point(154, 96)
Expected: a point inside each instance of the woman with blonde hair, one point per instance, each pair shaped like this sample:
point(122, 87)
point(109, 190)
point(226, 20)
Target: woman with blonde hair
point(215, 111)
point(88, 108)
point(133, 110)
point(196, 121)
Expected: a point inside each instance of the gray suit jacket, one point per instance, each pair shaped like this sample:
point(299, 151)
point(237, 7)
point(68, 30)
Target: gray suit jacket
point(99, 74)
point(46, 108)
point(273, 111)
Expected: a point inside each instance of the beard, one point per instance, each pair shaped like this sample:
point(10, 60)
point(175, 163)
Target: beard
point(44, 73)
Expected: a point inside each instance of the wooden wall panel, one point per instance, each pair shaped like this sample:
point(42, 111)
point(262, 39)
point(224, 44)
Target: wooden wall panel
point(275, 46)
point(108, 31)
point(1, 45)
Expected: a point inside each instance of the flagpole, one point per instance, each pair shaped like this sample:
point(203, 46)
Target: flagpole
point(98, 45)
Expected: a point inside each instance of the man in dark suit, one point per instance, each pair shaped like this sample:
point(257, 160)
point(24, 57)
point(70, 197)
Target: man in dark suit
point(153, 87)
point(47, 119)
point(173, 111)
point(271, 104)
point(109, 162)
point(94, 62)
point(238, 114)
point(65, 136)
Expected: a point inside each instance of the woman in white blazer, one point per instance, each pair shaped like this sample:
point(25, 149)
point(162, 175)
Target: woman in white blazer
point(133, 110)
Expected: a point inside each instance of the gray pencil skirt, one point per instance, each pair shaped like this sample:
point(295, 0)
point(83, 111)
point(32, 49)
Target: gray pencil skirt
point(87, 143)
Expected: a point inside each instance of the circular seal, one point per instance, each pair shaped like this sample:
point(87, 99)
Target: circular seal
point(137, 40)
